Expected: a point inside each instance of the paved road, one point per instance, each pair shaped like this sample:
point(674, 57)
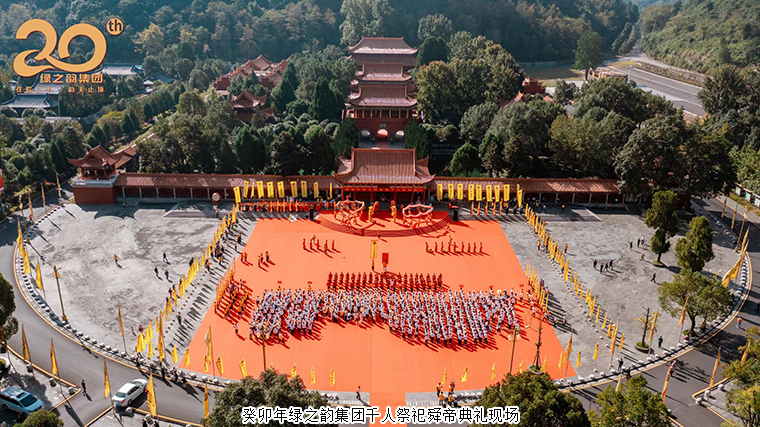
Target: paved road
point(679, 93)
point(173, 401)
point(694, 374)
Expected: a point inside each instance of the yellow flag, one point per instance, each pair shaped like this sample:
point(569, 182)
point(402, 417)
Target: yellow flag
point(622, 337)
point(27, 356)
point(39, 277)
point(236, 190)
point(207, 338)
point(543, 366)
point(106, 382)
point(445, 375)
point(596, 351)
point(493, 372)
point(617, 387)
point(121, 325)
point(140, 343)
point(464, 375)
point(27, 269)
point(150, 350)
point(744, 355)
point(58, 183)
point(175, 356)
point(561, 359)
point(665, 386)
point(313, 376)
point(187, 358)
point(220, 365)
point(205, 363)
point(150, 395)
point(715, 369)
point(654, 324)
point(683, 312)
point(521, 362)
point(578, 363)
point(332, 377)
point(243, 368)
point(161, 349)
point(53, 362)
point(205, 399)
point(293, 371)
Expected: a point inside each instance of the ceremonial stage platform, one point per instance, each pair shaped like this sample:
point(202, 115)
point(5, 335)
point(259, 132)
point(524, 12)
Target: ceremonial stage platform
point(368, 354)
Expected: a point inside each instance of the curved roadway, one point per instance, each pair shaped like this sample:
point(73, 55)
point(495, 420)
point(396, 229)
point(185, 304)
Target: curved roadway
point(77, 363)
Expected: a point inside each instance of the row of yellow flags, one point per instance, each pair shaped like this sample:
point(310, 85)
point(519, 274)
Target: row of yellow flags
point(475, 193)
point(241, 192)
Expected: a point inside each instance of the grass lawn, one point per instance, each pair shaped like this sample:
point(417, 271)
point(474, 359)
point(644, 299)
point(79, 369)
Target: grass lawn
point(549, 75)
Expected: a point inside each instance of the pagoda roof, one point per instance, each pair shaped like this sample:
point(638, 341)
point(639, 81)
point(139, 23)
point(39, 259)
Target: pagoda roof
point(382, 45)
point(382, 72)
point(99, 158)
point(382, 96)
point(24, 101)
point(260, 63)
point(247, 100)
point(381, 166)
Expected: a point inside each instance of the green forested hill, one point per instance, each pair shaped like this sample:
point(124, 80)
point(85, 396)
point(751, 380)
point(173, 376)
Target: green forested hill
point(701, 34)
point(233, 30)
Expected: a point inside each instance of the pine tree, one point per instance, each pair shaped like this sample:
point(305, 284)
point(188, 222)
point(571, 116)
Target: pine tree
point(346, 138)
point(322, 157)
point(227, 160)
point(323, 103)
point(285, 92)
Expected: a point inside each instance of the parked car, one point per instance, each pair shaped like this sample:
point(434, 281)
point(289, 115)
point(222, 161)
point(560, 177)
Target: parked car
point(19, 400)
point(129, 392)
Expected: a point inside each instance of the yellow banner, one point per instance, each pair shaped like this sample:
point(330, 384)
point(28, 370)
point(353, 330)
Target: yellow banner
point(496, 192)
point(304, 190)
point(270, 190)
point(373, 250)
point(479, 192)
point(260, 189)
point(489, 193)
point(294, 189)
point(236, 190)
point(280, 189)
point(316, 190)
point(470, 192)
point(439, 192)
point(506, 193)
point(243, 368)
point(460, 191)
point(245, 189)
point(451, 191)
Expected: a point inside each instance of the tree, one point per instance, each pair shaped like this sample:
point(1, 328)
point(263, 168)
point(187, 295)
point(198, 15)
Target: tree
point(150, 41)
point(415, 136)
point(288, 157)
point(540, 401)
point(589, 52)
point(634, 405)
point(695, 250)
point(285, 92)
point(346, 138)
point(707, 297)
point(8, 323)
point(271, 388)
point(652, 159)
point(709, 167)
point(432, 49)
point(42, 418)
point(250, 150)
point(746, 374)
point(191, 103)
point(465, 160)
point(227, 160)
point(662, 217)
point(324, 104)
point(435, 26)
point(564, 92)
point(368, 18)
point(476, 121)
point(723, 91)
point(745, 404)
point(198, 80)
point(492, 153)
point(322, 159)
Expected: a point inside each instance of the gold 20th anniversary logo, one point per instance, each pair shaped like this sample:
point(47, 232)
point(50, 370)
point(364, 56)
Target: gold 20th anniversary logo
point(114, 27)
